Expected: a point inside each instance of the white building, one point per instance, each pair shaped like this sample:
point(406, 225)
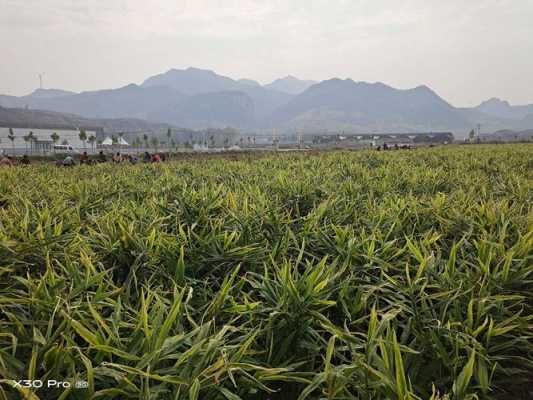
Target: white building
point(43, 141)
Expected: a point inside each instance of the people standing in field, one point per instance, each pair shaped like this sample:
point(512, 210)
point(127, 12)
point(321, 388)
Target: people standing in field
point(101, 157)
point(84, 158)
point(147, 157)
point(117, 158)
point(69, 161)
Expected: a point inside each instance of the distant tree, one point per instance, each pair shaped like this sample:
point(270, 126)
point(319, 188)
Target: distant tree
point(169, 134)
point(55, 137)
point(27, 139)
point(33, 141)
point(11, 137)
point(92, 141)
point(145, 139)
point(155, 142)
point(64, 142)
point(83, 137)
point(472, 135)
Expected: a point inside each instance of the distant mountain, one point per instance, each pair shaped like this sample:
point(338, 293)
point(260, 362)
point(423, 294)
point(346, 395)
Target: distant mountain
point(339, 104)
point(502, 109)
point(153, 103)
point(130, 101)
point(249, 82)
point(22, 118)
point(218, 109)
point(12, 101)
point(193, 81)
point(196, 98)
point(290, 85)
point(23, 101)
point(491, 123)
point(50, 93)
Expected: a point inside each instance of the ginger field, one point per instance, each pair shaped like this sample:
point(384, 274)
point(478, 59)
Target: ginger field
point(336, 275)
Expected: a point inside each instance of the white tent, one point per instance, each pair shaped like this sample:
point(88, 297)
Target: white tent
point(109, 142)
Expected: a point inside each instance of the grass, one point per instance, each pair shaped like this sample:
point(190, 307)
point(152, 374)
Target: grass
point(340, 275)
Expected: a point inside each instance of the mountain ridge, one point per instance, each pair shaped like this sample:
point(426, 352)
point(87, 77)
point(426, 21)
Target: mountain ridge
point(199, 98)
point(290, 85)
point(503, 109)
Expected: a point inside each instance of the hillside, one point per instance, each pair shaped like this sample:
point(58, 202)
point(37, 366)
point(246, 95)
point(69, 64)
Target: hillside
point(194, 81)
point(197, 98)
point(347, 104)
point(290, 85)
point(22, 118)
point(503, 109)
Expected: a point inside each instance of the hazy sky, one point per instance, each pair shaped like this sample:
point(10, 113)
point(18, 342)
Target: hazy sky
point(466, 50)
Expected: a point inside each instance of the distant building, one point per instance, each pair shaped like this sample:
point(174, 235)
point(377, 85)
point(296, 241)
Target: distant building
point(42, 141)
point(389, 138)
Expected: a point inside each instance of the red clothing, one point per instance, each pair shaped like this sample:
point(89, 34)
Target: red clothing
point(156, 158)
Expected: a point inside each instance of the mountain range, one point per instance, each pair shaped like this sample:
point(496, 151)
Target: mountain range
point(197, 98)
point(25, 118)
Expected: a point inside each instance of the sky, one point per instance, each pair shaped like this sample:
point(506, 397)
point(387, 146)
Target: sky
point(465, 50)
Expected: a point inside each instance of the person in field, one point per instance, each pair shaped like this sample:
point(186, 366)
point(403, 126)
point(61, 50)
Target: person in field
point(147, 157)
point(6, 161)
point(132, 158)
point(156, 158)
point(117, 158)
point(69, 161)
point(25, 160)
point(101, 157)
point(84, 158)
